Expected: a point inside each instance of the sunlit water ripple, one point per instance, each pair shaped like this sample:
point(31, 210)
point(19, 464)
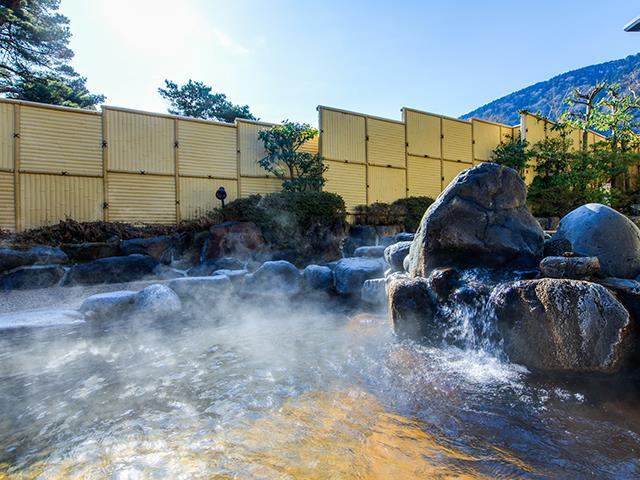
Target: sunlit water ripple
point(294, 391)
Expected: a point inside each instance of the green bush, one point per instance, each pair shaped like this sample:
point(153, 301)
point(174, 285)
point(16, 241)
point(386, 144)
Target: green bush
point(308, 224)
point(405, 211)
point(414, 208)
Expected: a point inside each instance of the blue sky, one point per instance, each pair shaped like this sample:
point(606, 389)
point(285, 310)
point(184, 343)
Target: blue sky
point(283, 58)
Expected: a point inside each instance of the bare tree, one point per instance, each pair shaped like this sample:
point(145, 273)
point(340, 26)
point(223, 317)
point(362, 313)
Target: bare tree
point(584, 119)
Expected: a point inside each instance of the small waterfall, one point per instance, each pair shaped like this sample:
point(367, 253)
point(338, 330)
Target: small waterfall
point(468, 318)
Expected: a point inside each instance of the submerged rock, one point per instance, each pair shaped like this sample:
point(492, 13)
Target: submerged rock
point(563, 325)
point(156, 301)
point(107, 306)
point(276, 278)
point(317, 277)
point(351, 273)
point(599, 231)
point(480, 220)
point(395, 254)
point(11, 258)
point(569, 267)
point(24, 278)
point(375, 251)
point(412, 307)
point(374, 291)
point(111, 270)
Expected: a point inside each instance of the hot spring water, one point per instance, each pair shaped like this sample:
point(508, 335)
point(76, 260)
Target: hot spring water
point(298, 391)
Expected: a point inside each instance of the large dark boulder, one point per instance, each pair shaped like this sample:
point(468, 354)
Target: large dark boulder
point(563, 325)
point(111, 270)
point(237, 239)
point(89, 251)
point(599, 231)
point(351, 273)
point(11, 258)
point(480, 220)
point(412, 307)
point(25, 278)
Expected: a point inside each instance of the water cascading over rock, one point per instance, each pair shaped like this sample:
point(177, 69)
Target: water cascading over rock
point(469, 263)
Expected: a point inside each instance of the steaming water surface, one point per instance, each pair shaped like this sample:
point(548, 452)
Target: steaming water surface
point(291, 391)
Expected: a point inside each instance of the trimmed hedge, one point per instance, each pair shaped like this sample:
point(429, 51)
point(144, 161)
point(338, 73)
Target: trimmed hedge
point(309, 225)
point(405, 211)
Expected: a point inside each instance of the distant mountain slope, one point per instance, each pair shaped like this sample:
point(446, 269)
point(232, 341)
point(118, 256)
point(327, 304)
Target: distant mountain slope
point(547, 97)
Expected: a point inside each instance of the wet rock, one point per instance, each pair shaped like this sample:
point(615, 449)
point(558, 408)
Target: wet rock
point(569, 267)
point(156, 301)
point(599, 231)
point(11, 258)
point(374, 291)
point(317, 277)
point(236, 239)
point(375, 251)
point(395, 254)
point(351, 273)
point(465, 295)
point(204, 290)
point(107, 306)
point(276, 278)
point(557, 247)
point(111, 270)
point(25, 278)
point(87, 252)
point(163, 248)
point(563, 325)
point(480, 220)
point(209, 266)
point(412, 307)
point(443, 281)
